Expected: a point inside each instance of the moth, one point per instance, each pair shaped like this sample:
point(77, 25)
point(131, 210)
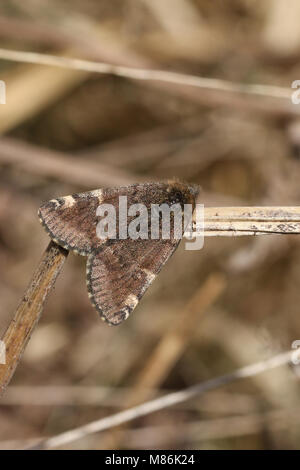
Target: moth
point(118, 271)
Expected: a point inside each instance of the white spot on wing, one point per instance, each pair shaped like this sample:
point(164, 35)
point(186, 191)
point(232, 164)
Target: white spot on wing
point(150, 276)
point(55, 201)
point(98, 193)
point(69, 201)
point(131, 301)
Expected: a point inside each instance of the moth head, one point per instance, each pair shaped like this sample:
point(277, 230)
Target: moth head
point(182, 193)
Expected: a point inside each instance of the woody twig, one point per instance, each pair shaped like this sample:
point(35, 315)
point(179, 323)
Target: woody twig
point(239, 221)
point(29, 310)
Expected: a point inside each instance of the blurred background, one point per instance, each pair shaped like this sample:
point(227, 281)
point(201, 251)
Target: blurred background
point(210, 311)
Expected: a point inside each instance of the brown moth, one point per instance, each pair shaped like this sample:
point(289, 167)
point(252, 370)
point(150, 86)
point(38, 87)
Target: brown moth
point(119, 271)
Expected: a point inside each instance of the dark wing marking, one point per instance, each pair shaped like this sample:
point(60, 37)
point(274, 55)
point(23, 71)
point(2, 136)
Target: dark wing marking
point(119, 273)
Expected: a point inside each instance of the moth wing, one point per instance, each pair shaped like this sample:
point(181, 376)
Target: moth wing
point(71, 221)
point(118, 271)
point(118, 274)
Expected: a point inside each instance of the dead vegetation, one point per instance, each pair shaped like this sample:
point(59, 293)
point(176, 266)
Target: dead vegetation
point(231, 304)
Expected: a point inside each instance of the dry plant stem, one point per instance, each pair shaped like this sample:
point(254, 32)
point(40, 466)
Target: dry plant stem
point(208, 91)
point(111, 397)
point(169, 349)
point(145, 74)
point(29, 310)
point(237, 221)
point(165, 401)
point(176, 339)
point(257, 97)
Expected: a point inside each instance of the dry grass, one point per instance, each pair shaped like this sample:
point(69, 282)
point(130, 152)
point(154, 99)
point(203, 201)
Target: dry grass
point(66, 131)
